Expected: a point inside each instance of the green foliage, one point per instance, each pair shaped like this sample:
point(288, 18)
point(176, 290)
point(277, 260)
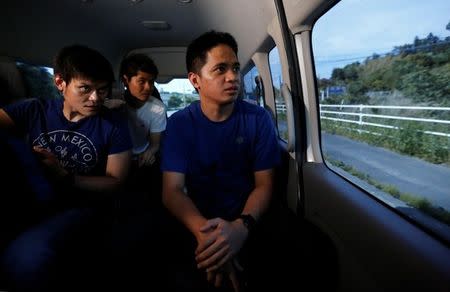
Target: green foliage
point(425, 86)
point(420, 71)
point(357, 87)
point(442, 78)
point(348, 73)
point(337, 75)
point(409, 139)
point(174, 101)
point(416, 74)
point(323, 83)
point(190, 99)
point(39, 82)
point(441, 58)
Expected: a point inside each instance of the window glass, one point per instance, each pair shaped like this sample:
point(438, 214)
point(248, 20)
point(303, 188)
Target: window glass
point(253, 87)
point(383, 76)
point(38, 81)
point(277, 80)
point(177, 94)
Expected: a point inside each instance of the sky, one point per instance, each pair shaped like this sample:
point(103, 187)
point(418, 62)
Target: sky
point(356, 29)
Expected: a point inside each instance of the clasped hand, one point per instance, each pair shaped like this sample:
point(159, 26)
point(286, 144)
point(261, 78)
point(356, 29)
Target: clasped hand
point(147, 158)
point(219, 241)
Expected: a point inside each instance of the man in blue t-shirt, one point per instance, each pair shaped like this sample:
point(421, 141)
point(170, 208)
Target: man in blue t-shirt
point(218, 156)
point(85, 150)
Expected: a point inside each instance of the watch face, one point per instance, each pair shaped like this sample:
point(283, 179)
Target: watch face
point(246, 224)
point(248, 220)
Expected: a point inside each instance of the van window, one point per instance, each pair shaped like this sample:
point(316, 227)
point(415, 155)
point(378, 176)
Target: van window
point(383, 75)
point(277, 80)
point(38, 81)
point(253, 87)
point(177, 94)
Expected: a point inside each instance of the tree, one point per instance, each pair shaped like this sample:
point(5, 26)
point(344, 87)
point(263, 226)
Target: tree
point(174, 101)
point(39, 81)
point(338, 74)
point(190, 99)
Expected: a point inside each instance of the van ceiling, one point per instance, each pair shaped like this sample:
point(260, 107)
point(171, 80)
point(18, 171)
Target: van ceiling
point(35, 30)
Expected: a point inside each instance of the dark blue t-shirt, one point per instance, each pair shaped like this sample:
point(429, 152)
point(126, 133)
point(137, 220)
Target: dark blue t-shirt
point(219, 158)
point(82, 147)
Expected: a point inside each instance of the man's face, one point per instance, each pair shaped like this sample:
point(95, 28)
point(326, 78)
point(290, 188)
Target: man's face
point(219, 79)
point(82, 97)
point(141, 85)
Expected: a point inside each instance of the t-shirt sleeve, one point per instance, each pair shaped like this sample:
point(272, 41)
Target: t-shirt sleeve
point(120, 136)
point(22, 113)
point(158, 118)
point(173, 147)
point(267, 149)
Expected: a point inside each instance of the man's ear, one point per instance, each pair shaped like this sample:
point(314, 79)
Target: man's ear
point(59, 82)
point(194, 79)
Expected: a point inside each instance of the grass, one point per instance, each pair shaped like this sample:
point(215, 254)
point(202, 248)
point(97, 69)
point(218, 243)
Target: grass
point(412, 200)
point(410, 140)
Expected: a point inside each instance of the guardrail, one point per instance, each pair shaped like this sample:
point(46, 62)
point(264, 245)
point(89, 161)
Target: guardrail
point(358, 112)
point(281, 107)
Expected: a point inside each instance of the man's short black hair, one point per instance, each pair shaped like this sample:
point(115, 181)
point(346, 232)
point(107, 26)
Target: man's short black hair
point(137, 62)
point(78, 61)
point(196, 52)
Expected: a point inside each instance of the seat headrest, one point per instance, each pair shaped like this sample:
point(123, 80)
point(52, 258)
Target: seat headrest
point(11, 78)
point(116, 93)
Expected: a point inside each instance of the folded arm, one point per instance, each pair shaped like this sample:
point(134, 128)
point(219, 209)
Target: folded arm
point(117, 168)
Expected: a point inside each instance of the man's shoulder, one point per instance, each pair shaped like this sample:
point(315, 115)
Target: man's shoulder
point(32, 101)
point(250, 108)
point(156, 101)
point(156, 106)
point(185, 114)
point(34, 105)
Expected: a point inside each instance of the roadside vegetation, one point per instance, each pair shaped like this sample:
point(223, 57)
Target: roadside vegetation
point(416, 74)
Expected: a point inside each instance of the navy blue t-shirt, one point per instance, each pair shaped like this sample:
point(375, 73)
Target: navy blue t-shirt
point(82, 147)
point(219, 158)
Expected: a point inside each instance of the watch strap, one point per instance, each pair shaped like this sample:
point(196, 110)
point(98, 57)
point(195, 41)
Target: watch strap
point(248, 221)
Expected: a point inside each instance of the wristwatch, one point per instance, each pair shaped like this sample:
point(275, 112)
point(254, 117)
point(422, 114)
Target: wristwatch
point(248, 221)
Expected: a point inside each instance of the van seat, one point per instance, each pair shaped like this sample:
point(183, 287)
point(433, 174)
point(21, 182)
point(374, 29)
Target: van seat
point(12, 85)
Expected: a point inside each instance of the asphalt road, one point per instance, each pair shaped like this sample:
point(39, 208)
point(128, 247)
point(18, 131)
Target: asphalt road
point(406, 173)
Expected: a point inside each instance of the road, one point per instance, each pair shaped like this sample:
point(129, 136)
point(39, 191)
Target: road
point(406, 173)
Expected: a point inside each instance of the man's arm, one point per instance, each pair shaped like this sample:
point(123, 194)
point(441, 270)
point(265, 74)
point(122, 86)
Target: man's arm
point(5, 120)
point(179, 204)
point(259, 199)
point(155, 141)
point(117, 168)
point(148, 157)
